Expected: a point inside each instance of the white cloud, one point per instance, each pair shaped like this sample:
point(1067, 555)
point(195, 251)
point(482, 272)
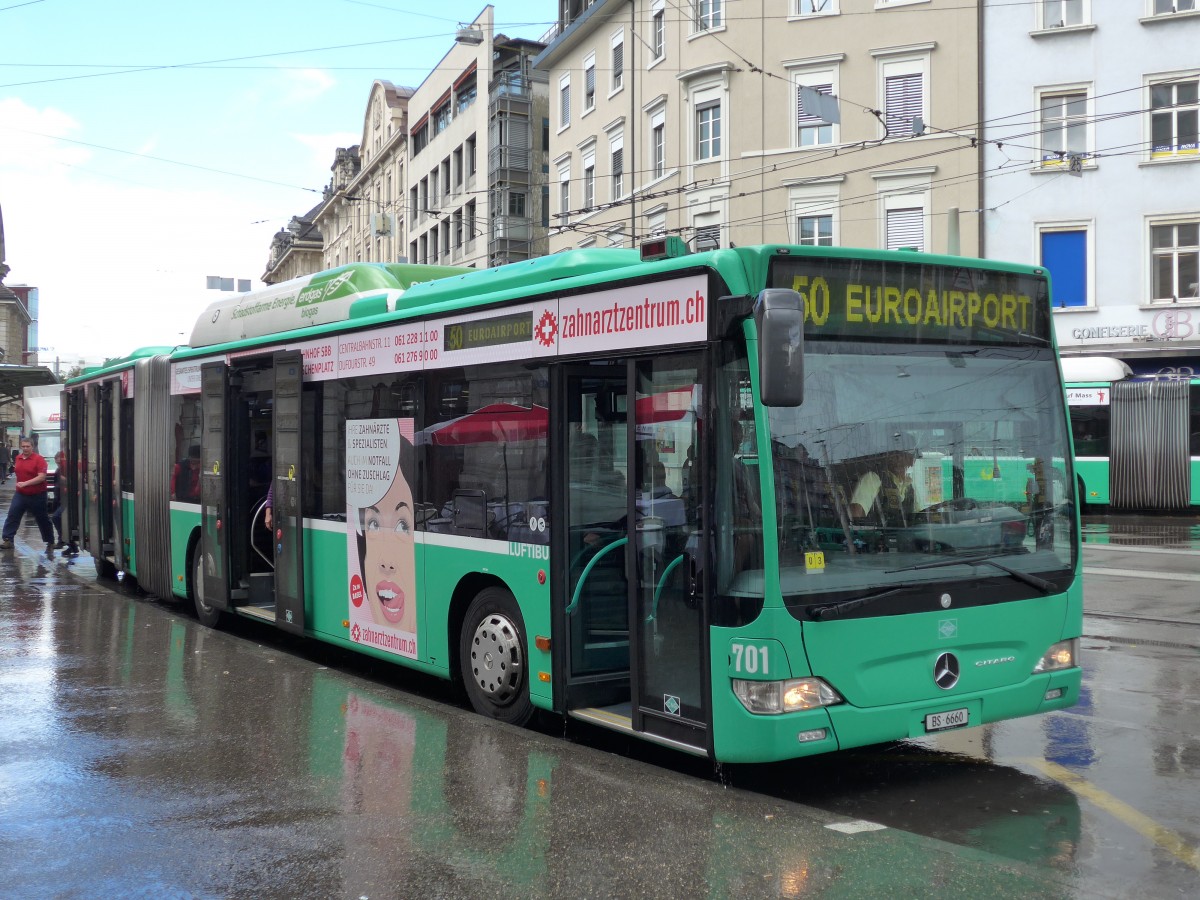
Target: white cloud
point(30, 147)
point(119, 264)
point(306, 85)
point(323, 146)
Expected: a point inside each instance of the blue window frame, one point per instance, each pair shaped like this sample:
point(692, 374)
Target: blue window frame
point(1064, 254)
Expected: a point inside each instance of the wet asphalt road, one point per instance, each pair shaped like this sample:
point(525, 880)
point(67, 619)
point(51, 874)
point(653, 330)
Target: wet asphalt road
point(143, 755)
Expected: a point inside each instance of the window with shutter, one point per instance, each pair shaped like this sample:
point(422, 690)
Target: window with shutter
point(618, 171)
point(589, 87)
point(708, 237)
point(618, 64)
point(564, 104)
point(903, 102)
point(906, 228)
point(811, 129)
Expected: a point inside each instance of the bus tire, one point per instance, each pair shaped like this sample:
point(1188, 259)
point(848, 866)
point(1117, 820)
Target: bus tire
point(208, 615)
point(493, 657)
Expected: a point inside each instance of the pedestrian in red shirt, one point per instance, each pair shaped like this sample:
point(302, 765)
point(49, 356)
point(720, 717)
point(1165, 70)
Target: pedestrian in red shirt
point(30, 471)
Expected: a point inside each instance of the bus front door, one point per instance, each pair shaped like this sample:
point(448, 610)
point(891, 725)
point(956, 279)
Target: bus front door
point(670, 634)
point(594, 499)
point(634, 619)
point(287, 527)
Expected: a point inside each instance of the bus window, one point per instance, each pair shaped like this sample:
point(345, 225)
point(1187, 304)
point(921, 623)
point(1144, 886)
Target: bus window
point(1090, 430)
point(385, 397)
point(323, 493)
point(738, 498)
point(127, 439)
point(485, 454)
point(187, 436)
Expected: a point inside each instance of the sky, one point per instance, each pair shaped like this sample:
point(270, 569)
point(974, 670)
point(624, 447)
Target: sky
point(146, 145)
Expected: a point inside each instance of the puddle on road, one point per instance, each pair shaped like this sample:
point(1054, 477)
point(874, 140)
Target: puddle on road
point(1174, 533)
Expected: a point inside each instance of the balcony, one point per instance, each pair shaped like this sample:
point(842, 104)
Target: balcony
point(511, 239)
point(509, 165)
point(510, 92)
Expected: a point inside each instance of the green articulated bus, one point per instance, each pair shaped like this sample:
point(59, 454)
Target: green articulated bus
point(1136, 438)
point(754, 504)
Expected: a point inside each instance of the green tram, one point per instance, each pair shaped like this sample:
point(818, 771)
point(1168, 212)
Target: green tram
point(753, 504)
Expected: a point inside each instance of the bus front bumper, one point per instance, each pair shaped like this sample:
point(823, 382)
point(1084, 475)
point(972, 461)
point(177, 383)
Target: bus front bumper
point(740, 736)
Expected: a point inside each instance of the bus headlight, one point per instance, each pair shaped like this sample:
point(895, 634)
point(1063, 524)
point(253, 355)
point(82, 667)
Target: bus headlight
point(1063, 655)
point(770, 698)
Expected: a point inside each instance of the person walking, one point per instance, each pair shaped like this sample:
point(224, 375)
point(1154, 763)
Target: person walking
point(30, 496)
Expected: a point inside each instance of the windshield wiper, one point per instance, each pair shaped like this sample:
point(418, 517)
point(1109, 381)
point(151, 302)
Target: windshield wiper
point(1046, 587)
point(821, 613)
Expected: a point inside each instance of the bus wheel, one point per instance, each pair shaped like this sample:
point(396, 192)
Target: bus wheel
point(492, 657)
point(208, 615)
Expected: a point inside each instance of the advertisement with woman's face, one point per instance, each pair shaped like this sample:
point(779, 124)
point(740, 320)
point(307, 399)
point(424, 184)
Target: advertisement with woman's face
point(381, 527)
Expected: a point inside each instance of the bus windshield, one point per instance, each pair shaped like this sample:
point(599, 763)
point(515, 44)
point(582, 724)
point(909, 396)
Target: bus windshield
point(913, 465)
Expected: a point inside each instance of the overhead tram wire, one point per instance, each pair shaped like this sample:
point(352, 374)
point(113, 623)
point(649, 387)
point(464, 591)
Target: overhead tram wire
point(172, 162)
point(214, 62)
point(974, 140)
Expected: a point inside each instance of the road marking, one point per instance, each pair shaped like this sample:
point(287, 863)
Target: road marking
point(858, 826)
point(1139, 573)
point(1142, 824)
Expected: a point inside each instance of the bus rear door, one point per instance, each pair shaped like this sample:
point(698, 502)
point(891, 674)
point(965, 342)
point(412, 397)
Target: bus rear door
point(213, 558)
point(287, 529)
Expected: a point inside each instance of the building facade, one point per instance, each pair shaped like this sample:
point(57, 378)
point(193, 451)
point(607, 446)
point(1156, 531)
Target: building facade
point(452, 172)
point(360, 219)
point(297, 249)
point(1093, 167)
point(477, 148)
point(689, 118)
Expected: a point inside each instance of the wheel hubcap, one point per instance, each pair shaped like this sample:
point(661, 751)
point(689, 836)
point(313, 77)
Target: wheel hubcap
point(496, 662)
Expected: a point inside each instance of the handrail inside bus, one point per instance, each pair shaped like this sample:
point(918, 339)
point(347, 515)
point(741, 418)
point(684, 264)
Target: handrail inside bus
point(260, 510)
point(662, 583)
point(620, 542)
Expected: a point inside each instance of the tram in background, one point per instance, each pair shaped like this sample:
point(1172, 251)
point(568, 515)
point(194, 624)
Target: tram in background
point(1136, 438)
point(656, 490)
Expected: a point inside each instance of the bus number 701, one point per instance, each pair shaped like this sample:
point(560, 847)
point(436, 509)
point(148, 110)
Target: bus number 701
point(748, 658)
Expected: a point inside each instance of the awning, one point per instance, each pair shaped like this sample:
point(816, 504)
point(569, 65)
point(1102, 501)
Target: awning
point(14, 380)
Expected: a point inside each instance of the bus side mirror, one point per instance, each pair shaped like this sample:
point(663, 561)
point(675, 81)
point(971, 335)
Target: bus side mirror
point(779, 316)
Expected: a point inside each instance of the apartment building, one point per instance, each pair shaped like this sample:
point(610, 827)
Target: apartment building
point(361, 218)
point(297, 249)
point(451, 172)
point(1092, 168)
point(477, 151)
point(688, 117)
